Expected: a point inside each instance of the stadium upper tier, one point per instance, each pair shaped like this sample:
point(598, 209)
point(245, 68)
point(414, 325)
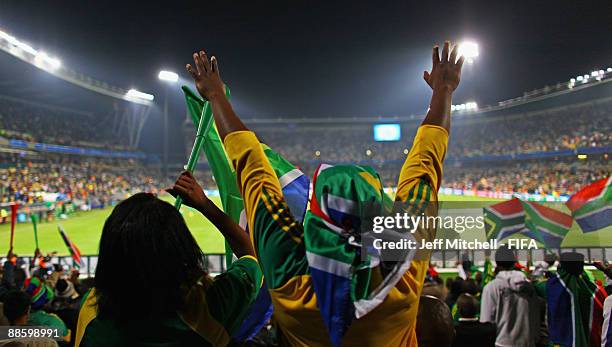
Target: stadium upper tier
point(55, 125)
point(573, 127)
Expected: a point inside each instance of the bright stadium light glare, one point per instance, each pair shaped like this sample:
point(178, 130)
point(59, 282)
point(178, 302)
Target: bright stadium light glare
point(27, 48)
point(469, 50)
point(43, 60)
point(135, 94)
point(168, 76)
point(609, 69)
point(594, 73)
point(579, 78)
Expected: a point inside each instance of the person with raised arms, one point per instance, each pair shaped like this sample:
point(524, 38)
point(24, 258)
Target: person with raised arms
point(292, 255)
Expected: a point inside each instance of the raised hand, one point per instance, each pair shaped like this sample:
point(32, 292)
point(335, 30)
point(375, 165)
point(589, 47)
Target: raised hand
point(446, 71)
point(188, 188)
point(206, 76)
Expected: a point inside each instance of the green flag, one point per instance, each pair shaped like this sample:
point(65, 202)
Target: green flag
point(222, 170)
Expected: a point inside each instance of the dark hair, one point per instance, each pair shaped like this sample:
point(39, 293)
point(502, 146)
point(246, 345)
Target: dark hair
point(434, 324)
point(16, 304)
point(146, 255)
point(505, 258)
point(61, 285)
point(467, 305)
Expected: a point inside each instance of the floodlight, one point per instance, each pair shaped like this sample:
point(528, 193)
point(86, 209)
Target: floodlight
point(135, 94)
point(168, 76)
point(45, 61)
point(469, 50)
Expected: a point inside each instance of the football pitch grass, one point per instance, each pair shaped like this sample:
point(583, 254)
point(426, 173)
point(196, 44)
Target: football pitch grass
point(84, 229)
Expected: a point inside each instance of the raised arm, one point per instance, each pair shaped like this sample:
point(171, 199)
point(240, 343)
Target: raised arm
point(211, 87)
point(443, 80)
point(188, 188)
point(422, 172)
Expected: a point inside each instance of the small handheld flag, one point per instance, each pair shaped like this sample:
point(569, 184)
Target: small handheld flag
point(14, 208)
point(34, 225)
point(545, 224)
point(72, 248)
point(592, 206)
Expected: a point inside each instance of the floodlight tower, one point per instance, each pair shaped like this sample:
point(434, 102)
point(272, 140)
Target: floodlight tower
point(171, 78)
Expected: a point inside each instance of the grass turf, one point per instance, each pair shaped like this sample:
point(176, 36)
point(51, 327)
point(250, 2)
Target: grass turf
point(84, 230)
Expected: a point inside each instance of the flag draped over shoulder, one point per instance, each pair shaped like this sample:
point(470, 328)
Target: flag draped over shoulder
point(294, 183)
point(544, 224)
point(72, 248)
point(592, 206)
point(504, 219)
point(347, 285)
point(575, 310)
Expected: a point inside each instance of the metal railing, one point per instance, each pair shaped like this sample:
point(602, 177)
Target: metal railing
point(215, 263)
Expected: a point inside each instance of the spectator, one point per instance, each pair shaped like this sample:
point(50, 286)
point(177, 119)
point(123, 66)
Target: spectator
point(16, 307)
point(434, 324)
point(40, 298)
point(469, 332)
point(510, 302)
point(169, 299)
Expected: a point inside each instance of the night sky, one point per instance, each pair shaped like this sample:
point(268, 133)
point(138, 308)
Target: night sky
point(322, 58)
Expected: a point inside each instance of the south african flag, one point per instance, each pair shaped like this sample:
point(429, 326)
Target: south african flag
point(504, 219)
point(592, 206)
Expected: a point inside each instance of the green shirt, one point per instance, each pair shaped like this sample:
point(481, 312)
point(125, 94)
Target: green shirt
point(214, 309)
point(49, 320)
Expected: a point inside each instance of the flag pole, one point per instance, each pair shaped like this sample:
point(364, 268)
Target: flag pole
point(197, 145)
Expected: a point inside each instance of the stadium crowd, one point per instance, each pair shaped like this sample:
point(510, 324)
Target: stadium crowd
point(81, 182)
point(33, 123)
point(544, 178)
point(583, 126)
point(315, 274)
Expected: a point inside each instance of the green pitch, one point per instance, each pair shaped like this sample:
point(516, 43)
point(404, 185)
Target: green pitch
point(84, 230)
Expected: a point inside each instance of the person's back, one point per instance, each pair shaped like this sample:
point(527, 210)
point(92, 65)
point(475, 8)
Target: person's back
point(323, 291)
point(168, 300)
point(469, 332)
point(510, 302)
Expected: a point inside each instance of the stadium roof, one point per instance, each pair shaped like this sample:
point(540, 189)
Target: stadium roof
point(25, 82)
